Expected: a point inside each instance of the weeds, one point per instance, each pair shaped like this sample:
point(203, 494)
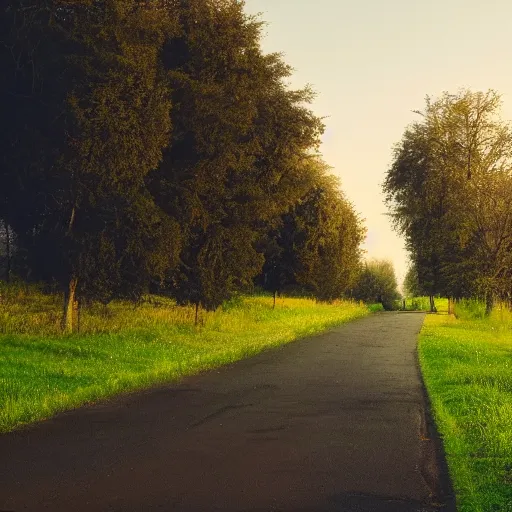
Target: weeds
point(121, 348)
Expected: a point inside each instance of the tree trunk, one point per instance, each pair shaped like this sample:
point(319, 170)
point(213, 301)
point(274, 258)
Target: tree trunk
point(70, 313)
point(197, 313)
point(77, 307)
point(489, 303)
point(7, 251)
point(432, 304)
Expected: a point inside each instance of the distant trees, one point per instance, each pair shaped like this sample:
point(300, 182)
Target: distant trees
point(376, 282)
point(316, 244)
point(154, 145)
point(450, 193)
point(411, 285)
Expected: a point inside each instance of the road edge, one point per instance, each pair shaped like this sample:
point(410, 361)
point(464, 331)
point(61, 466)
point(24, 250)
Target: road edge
point(434, 466)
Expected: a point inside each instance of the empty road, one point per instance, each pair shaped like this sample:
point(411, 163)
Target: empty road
point(335, 422)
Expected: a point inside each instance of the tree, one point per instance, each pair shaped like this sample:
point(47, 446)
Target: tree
point(317, 244)
point(238, 135)
point(448, 193)
point(412, 287)
point(151, 144)
point(93, 106)
point(377, 282)
point(332, 236)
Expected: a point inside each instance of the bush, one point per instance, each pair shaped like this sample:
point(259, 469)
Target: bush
point(377, 283)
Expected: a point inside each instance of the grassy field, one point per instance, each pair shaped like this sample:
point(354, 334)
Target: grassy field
point(418, 304)
point(422, 304)
point(467, 366)
point(123, 348)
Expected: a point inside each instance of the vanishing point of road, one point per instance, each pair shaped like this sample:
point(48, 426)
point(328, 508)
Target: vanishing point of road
point(335, 422)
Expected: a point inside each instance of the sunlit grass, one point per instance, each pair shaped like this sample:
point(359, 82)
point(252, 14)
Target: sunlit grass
point(123, 348)
point(417, 304)
point(467, 366)
point(500, 317)
point(374, 308)
point(423, 304)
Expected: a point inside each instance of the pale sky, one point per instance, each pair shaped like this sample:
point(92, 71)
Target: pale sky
point(371, 63)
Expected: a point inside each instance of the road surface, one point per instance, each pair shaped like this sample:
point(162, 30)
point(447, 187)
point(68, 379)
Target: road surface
point(335, 422)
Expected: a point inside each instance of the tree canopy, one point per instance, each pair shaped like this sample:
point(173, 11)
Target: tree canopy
point(154, 145)
point(449, 190)
point(376, 283)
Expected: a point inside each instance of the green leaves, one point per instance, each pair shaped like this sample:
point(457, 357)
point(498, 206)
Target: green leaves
point(449, 192)
point(317, 244)
point(376, 282)
point(154, 145)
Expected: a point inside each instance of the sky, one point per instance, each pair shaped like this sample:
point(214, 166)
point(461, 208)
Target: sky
point(372, 63)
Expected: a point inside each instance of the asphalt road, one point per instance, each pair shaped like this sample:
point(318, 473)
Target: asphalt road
point(336, 422)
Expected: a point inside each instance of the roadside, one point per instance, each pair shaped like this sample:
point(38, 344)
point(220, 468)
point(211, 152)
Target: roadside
point(466, 365)
point(122, 348)
point(331, 423)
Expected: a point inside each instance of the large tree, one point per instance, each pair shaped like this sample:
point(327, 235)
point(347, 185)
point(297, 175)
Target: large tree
point(153, 142)
point(234, 159)
point(448, 190)
point(317, 244)
point(90, 107)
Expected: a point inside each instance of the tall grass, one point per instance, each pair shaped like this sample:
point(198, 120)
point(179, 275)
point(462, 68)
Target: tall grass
point(422, 304)
point(470, 309)
point(416, 304)
point(467, 366)
point(122, 347)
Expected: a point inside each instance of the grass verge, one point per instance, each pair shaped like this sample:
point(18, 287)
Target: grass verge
point(467, 367)
point(122, 348)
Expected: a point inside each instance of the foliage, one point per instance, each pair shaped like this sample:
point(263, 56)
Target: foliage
point(231, 111)
point(466, 367)
point(469, 309)
point(120, 348)
point(317, 243)
point(153, 145)
point(449, 189)
point(416, 304)
point(411, 285)
point(92, 109)
point(377, 283)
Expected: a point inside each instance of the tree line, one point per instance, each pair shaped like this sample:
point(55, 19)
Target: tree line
point(151, 145)
point(449, 190)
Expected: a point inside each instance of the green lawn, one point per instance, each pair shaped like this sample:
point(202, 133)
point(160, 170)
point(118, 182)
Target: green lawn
point(467, 366)
point(125, 348)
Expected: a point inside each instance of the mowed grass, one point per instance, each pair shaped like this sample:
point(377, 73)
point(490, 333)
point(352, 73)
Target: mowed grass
point(467, 367)
point(122, 348)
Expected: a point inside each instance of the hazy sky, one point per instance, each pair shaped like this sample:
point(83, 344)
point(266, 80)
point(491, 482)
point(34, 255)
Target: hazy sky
point(373, 62)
